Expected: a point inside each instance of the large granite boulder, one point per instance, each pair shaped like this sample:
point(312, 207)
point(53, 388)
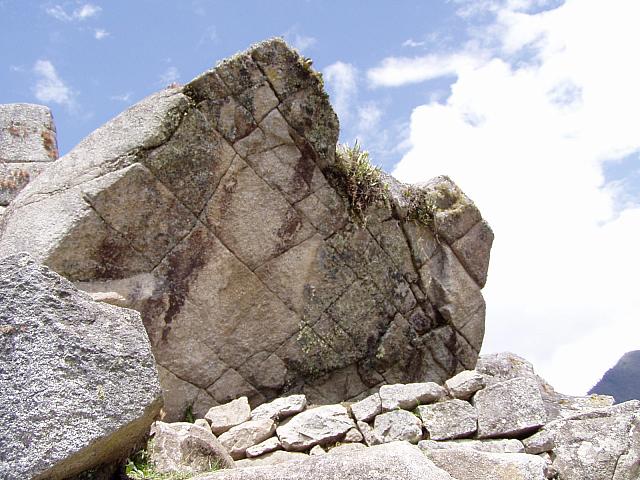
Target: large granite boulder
point(217, 210)
point(78, 382)
point(27, 145)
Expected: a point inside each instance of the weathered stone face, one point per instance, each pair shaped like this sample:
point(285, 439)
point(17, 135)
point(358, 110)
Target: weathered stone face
point(210, 209)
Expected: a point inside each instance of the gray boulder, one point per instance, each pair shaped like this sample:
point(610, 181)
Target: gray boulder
point(185, 448)
point(247, 434)
point(398, 425)
point(392, 461)
point(218, 210)
point(78, 383)
point(223, 417)
point(448, 420)
point(510, 445)
point(513, 408)
point(367, 408)
point(409, 396)
point(316, 426)
point(465, 384)
point(280, 408)
point(27, 145)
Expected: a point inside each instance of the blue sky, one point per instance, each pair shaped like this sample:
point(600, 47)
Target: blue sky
point(529, 105)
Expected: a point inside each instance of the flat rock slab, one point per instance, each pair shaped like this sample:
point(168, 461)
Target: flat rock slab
point(223, 417)
point(316, 426)
point(398, 425)
point(409, 396)
point(509, 445)
point(78, 382)
point(385, 462)
point(216, 209)
point(27, 133)
point(448, 420)
point(509, 409)
point(465, 384)
point(280, 408)
point(466, 464)
point(237, 439)
point(367, 408)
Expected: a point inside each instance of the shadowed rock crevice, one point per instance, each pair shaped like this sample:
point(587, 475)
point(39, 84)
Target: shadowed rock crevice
point(210, 208)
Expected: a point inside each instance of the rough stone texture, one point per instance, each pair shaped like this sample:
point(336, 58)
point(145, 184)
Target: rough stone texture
point(510, 445)
point(598, 445)
point(409, 396)
point(78, 383)
point(367, 408)
point(272, 458)
point(370, 436)
point(269, 445)
point(398, 425)
point(27, 145)
point(385, 462)
point(467, 464)
point(247, 434)
point(509, 409)
point(214, 210)
point(223, 417)
point(317, 450)
point(353, 436)
point(449, 420)
point(320, 425)
point(465, 384)
point(186, 448)
point(280, 408)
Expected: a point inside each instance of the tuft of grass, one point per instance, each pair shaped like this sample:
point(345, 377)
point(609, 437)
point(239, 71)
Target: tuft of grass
point(422, 206)
point(189, 417)
point(360, 180)
point(140, 467)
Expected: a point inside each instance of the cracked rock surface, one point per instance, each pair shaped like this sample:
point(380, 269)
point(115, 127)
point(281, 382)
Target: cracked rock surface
point(210, 209)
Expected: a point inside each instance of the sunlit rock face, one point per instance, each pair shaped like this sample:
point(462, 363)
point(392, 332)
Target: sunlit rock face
point(213, 209)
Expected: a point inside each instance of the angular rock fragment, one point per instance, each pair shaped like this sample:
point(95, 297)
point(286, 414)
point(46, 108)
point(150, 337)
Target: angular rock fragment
point(465, 384)
point(353, 436)
point(409, 396)
point(370, 436)
point(512, 408)
point(223, 417)
point(280, 408)
point(217, 210)
point(448, 420)
point(385, 462)
point(398, 425)
point(367, 408)
point(237, 439)
point(510, 445)
point(78, 383)
point(185, 448)
point(320, 425)
point(269, 445)
point(272, 458)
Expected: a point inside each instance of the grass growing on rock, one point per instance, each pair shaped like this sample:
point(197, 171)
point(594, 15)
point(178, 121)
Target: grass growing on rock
point(140, 467)
point(422, 206)
point(361, 181)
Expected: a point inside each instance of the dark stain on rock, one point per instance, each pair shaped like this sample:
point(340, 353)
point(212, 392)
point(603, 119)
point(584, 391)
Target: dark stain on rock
point(17, 130)
point(50, 144)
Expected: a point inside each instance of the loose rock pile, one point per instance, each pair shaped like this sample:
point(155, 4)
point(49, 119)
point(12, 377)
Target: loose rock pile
point(499, 421)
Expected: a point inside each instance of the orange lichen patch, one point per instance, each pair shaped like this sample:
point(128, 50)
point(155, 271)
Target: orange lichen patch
point(50, 145)
point(15, 179)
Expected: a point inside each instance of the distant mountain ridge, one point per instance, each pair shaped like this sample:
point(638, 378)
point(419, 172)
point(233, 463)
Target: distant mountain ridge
point(623, 380)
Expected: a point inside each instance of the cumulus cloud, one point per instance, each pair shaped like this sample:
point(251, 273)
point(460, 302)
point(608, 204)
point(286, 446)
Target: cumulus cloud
point(49, 87)
point(100, 33)
point(531, 123)
point(341, 80)
point(81, 13)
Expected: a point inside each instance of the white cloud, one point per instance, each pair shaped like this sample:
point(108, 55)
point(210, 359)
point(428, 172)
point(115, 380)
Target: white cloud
point(302, 42)
point(412, 43)
point(100, 33)
point(49, 87)
point(397, 71)
point(369, 116)
point(341, 80)
point(169, 76)
point(81, 13)
point(529, 143)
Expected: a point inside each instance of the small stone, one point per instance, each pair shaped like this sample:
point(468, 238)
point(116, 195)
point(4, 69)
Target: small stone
point(353, 436)
point(370, 436)
point(448, 420)
point(317, 450)
point(367, 408)
point(273, 458)
point(409, 396)
point(223, 417)
point(280, 408)
point(318, 425)
point(511, 408)
point(539, 442)
point(269, 445)
point(201, 422)
point(398, 425)
point(247, 434)
point(465, 384)
point(510, 445)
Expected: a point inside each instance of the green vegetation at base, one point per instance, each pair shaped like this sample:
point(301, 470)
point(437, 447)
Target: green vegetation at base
point(140, 467)
point(361, 181)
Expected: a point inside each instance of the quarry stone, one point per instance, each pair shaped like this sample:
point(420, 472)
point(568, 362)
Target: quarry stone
point(320, 425)
point(398, 425)
point(367, 408)
point(465, 384)
point(410, 395)
point(510, 409)
point(223, 417)
point(269, 445)
point(510, 445)
point(280, 408)
point(78, 382)
point(237, 439)
point(448, 420)
point(185, 448)
point(215, 210)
